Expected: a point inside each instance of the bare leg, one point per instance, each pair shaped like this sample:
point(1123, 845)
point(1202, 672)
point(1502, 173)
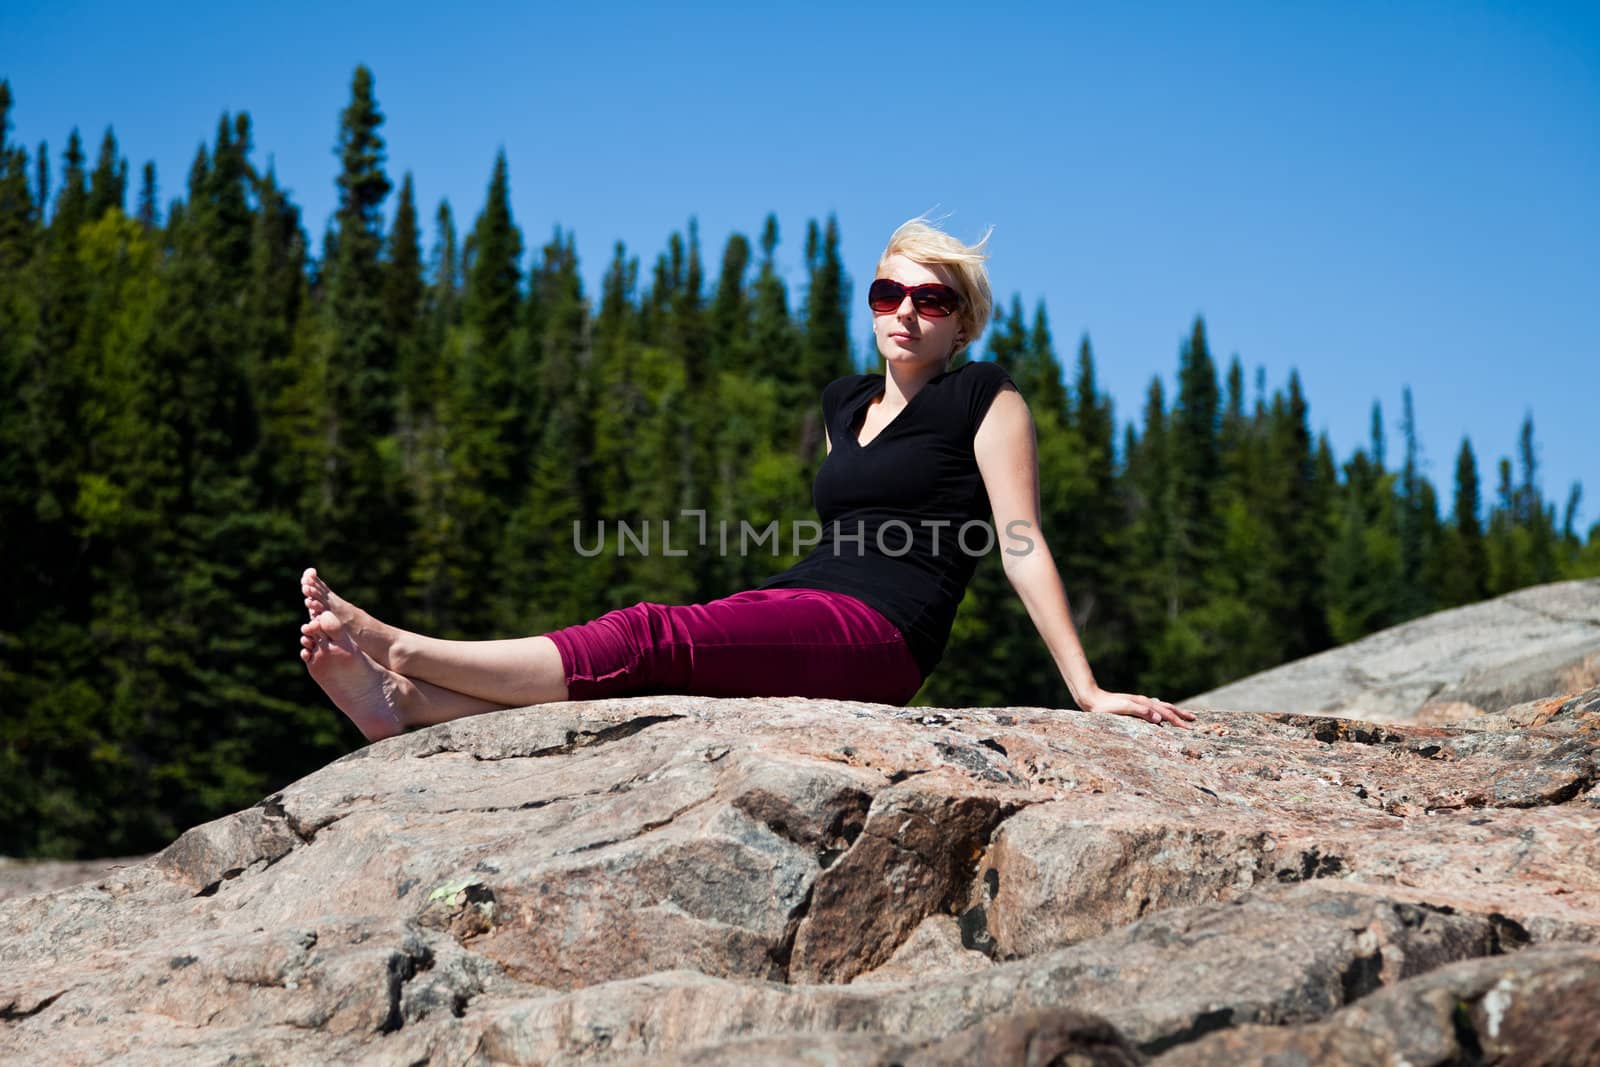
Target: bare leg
point(380, 702)
point(512, 673)
point(515, 672)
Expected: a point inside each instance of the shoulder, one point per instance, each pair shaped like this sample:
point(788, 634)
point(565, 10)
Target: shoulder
point(982, 373)
point(841, 389)
point(848, 382)
point(978, 383)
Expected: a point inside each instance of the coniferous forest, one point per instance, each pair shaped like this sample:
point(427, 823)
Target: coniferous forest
point(197, 401)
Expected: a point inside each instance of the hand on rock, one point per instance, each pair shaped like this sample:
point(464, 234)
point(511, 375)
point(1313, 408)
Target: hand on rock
point(1149, 709)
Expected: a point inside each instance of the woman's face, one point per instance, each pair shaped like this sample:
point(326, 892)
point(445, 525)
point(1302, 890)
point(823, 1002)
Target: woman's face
point(906, 336)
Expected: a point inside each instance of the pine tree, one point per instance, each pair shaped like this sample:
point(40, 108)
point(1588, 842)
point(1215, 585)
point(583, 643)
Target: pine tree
point(536, 552)
point(1008, 346)
point(1195, 457)
point(620, 403)
point(429, 395)
point(688, 333)
point(1050, 391)
point(51, 372)
point(1303, 528)
point(827, 327)
point(496, 386)
point(1419, 524)
point(19, 222)
point(1148, 582)
point(108, 186)
point(1363, 564)
point(354, 280)
point(18, 212)
point(403, 294)
point(41, 162)
point(1093, 573)
point(1465, 578)
point(777, 342)
point(441, 314)
point(289, 399)
point(362, 511)
point(492, 394)
point(1532, 512)
point(731, 347)
point(1234, 437)
point(148, 212)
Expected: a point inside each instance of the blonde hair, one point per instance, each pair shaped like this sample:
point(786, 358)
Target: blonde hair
point(920, 240)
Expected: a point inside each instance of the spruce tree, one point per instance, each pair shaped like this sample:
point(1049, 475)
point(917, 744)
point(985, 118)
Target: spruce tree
point(362, 510)
point(55, 364)
point(441, 314)
point(688, 332)
point(536, 551)
point(1195, 456)
point(777, 341)
point(1148, 583)
point(491, 396)
point(148, 211)
point(494, 381)
point(1506, 543)
point(1233, 440)
point(1099, 524)
point(41, 188)
point(827, 326)
point(1418, 523)
point(1047, 390)
point(1363, 569)
point(1533, 514)
point(431, 400)
point(1466, 579)
point(354, 280)
point(108, 185)
point(620, 403)
point(730, 342)
point(403, 293)
point(1569, 519)
point(1302, 532)
point(1008, 346)
point(288, 398)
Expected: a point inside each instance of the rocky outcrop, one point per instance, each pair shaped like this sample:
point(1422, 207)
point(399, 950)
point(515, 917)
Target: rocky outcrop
point(24, 878)
point(1446, 667)
point(680, 880)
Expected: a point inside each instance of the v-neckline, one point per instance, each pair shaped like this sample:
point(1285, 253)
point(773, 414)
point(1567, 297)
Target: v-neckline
point(855, 432)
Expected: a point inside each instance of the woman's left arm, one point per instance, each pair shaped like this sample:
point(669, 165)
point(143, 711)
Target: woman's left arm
point(1008, 459)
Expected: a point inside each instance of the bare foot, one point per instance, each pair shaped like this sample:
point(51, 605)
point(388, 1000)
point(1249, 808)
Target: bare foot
point(374, 638)
point(359, 687)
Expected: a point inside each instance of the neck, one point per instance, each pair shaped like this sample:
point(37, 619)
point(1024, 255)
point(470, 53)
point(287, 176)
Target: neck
point(907, 380)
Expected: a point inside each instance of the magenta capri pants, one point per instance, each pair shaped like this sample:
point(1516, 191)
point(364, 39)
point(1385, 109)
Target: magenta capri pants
point(759, 643)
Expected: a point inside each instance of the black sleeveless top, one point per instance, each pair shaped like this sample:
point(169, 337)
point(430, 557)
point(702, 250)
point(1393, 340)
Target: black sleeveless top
point(905, 517)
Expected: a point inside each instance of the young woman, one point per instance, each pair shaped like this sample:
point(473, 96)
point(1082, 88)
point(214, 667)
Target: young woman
point(920, 458)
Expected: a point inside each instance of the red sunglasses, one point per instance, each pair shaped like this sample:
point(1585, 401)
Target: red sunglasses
point(933, 300)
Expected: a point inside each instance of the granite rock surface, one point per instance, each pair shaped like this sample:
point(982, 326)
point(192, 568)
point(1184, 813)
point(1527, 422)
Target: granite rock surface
point(1446, 667)
point(681, 880)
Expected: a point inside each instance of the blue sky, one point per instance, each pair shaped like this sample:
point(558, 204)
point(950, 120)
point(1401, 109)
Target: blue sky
point(1377, 195)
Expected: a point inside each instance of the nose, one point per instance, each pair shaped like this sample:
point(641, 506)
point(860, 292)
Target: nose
point(907, 309)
